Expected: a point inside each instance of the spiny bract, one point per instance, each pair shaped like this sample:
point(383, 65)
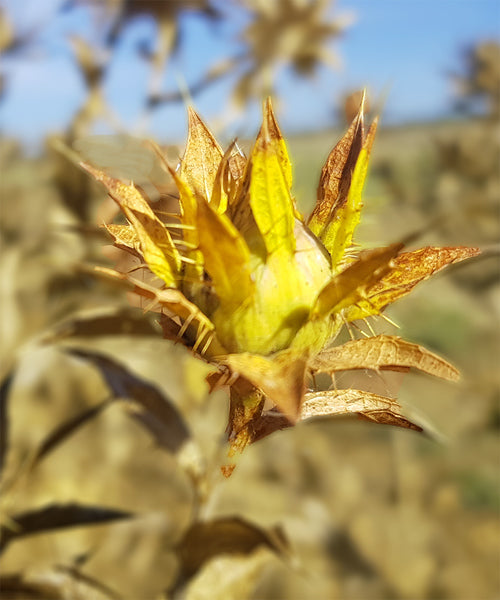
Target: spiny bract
point(241, 278)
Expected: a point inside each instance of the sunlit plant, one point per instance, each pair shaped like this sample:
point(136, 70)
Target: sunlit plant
point(260, 292)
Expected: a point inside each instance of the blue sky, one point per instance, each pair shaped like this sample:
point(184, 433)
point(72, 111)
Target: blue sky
point(399, 48)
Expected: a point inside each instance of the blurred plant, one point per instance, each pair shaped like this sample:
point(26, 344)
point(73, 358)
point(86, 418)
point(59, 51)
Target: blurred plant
point(480, 79)
point(252, 289)
point(202, 540)
point(291, 33)
point(457, 182)
point(280, 33)
point(166, 14)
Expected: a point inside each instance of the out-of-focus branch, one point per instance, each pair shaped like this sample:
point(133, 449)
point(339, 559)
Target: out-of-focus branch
point(218, 72)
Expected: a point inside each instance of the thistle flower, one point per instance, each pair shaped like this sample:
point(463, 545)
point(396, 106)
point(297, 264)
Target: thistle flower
point(259, 292)
point(295, 33)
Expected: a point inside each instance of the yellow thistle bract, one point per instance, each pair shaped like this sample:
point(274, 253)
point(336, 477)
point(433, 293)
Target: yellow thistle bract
point(258, 292)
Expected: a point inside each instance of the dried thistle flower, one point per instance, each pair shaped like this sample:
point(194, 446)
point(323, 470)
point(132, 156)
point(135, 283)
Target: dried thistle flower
point(295, 33)
point(257, 291)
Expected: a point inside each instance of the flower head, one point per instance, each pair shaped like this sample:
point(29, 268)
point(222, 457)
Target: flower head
point(249, 285)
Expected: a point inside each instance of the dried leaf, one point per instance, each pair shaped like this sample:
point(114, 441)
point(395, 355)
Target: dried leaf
point(280, 378)
point(156, 244)
point(229, 577)
point(349, 285)
point(16, 586)
point(245, 409)
point(5, 389)
point(336, 174)
point(126, 385)
point(227, 535)
point(125, 238)
point(124, 321)
point(407, 270)
point(278, 142)
point(338, 233)
point(66, 430)
point(201, 159)
point(382, 352)
point(270, 198)
point(372, 407)
point(89, 582)
point(57, 516)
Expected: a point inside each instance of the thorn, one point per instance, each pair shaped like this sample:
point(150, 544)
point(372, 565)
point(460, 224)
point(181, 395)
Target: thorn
point(390, 321)
point(368, 324)
point(185, 325)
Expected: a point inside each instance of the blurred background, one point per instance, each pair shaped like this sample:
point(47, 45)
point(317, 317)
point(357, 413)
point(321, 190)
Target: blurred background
point(369, 512)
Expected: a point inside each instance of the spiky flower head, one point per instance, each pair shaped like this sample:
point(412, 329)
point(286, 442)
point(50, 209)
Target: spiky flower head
point(292, 33)
point(258, 291)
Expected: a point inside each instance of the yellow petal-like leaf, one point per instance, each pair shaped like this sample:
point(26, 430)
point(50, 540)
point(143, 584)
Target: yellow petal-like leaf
point(202, 157)
point(269, 192)
point(280, 378)
point(226, 256)
point(337, 403)
point(155, 241)
point(408, 269)
point(279, 142)
point(193, 274)
point(350, 285)
point(382, 352)
point(230, 171)
point(338, 233)
point(336, 176)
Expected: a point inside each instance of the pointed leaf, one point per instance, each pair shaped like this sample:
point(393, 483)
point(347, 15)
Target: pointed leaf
point(189, 218)
point(373, 407)
point(58, 516)
point(336, 174)
point(350, 285)
point(226, 535)
point(126, 385)
point(124, 321)
point(230, 172)
point(280, 378)
point(201, 159)
point(279, 143)
point(237, 165)
point(382, 352)
point(155, 241)
point(269, 191)
point(222, 182)
point(408, 269)
point(226, 256)
point(64, 431)
point(5, 389)
point(338, 233)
